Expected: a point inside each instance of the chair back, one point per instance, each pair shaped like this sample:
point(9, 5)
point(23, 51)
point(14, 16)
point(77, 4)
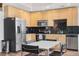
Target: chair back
point(62, 49)
point(31, 49)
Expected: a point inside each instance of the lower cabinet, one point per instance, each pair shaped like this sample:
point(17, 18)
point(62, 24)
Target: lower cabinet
point(59, 37)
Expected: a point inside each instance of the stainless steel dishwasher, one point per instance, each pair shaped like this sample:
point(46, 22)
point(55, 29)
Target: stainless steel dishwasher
point(72, 41)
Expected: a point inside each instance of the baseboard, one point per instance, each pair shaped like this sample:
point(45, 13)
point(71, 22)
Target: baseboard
point(73, 49)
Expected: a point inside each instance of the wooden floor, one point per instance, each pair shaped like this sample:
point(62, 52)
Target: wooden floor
point(71, 53)
point(67, 53)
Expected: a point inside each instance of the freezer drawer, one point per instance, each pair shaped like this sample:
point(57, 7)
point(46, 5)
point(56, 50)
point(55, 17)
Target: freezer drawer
point(72, 42)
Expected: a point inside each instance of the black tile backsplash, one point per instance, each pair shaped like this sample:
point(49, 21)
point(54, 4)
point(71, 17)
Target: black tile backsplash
point(43, 30)
point(72, 30)
point(35, 29)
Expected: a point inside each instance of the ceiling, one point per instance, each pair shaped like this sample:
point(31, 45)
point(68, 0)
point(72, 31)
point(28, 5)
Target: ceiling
point(42, 6)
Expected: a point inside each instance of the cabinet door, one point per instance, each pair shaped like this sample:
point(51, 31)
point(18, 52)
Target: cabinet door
point(17, 13)
point(35, 17)
point(45, 15)
point(72, 17)
point(11, 12)
point(62, 38)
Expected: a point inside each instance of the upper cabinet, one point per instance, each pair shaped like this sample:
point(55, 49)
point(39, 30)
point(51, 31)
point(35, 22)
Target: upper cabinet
point(50, 15)
point(44, 15)
point(25, 16)
point(65, 13)
point(12, 11)
point(16, 12)
point(72, 17)
point(35, 16)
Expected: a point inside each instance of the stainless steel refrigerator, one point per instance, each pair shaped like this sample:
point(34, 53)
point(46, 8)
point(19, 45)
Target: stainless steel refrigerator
point(14, 32)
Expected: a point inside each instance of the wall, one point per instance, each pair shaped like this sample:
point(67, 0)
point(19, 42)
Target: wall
point(1, 29)
point(78, 25)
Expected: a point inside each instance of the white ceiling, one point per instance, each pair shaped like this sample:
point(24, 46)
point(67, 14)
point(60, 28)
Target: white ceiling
point(42, 6)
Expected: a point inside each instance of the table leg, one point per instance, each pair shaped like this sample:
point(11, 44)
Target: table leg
point(61, 48)
point(48, 52)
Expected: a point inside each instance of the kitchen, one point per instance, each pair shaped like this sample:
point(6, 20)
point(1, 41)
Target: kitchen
point(59, 24)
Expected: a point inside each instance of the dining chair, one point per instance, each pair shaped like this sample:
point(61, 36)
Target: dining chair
point(33, 50)
point(58, 53)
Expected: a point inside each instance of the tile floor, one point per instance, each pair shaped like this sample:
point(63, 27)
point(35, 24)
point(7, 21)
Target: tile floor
point(67, 53)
